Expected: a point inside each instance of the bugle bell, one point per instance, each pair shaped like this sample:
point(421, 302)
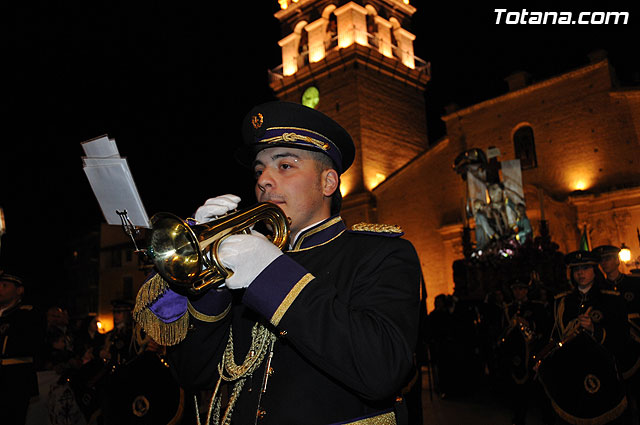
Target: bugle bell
point(186, 256)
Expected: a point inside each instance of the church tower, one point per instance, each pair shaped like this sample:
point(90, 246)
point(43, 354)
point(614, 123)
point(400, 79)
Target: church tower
point(354, 61)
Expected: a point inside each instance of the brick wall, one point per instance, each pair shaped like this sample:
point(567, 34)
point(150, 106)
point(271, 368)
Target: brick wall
point(385, 117)
point(612, 218)
point(423, 199)
point(582, 132)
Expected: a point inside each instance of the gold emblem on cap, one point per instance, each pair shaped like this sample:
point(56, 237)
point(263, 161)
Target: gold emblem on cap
point(257, 121)
point(294, 138)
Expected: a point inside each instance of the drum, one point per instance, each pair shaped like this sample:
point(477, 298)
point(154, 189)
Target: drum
point(143, 392)
point(582, 381)
point(515, 355)
point(629, 359)
point(87, 384)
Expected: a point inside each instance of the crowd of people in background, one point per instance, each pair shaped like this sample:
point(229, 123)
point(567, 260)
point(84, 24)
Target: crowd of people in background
point(59, 367)
point(572, 354)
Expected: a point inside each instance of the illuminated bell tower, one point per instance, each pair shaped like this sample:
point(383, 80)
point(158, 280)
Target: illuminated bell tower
point(354, 62)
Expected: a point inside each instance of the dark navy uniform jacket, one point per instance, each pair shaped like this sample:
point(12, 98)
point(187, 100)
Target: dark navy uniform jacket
point(629, 288)
point(20, 338)
point(534, 334)
point(533, 312)
point(345, 308)
point(607, 310)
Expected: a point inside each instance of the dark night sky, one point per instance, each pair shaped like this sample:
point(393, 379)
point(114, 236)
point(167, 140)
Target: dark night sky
point(172, 82)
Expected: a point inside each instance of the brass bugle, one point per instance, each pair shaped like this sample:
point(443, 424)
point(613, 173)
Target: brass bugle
point(186, 256)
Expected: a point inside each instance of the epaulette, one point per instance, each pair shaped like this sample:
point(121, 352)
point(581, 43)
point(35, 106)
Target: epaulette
point(562, 294)
point(26, 307)
point(610, 292)
point(163, 333)
point(377, 229)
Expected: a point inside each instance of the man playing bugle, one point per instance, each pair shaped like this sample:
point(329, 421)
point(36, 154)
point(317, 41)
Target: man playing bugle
point(321, 332)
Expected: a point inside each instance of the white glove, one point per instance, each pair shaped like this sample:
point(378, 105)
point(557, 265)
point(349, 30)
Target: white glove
point(247, 256)
point(216, 206)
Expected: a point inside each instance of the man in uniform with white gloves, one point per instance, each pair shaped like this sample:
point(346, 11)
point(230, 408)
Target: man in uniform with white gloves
point(322, 333)
point(215, 207)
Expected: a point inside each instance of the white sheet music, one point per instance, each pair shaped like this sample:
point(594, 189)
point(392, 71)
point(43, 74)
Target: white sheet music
point(100, 147)
point(112, 182)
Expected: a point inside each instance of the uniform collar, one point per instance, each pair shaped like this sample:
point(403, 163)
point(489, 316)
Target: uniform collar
point(586, 291)
point(319, 234)
point(10, 308)
point(618, 279)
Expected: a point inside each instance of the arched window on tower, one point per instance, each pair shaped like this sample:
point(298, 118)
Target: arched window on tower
point(331, 34)
point(303, 49)
point(525, 147)
point(372, 31)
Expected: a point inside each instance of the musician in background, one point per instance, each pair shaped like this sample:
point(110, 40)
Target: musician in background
point(58, 321)
point(527, 328)
point(629, 287)
point(118, 342)
point(593, 310)
point(20, 338)
point(321, 333)
point(88, 341)
point(590, 305)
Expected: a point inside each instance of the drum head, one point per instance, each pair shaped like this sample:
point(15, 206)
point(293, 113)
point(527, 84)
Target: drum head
point(144, 392)
point(629, 359)
point(583, 383)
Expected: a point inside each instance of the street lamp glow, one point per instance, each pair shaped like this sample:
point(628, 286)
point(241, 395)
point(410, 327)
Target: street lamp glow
point(580, 185)
point(624, 254)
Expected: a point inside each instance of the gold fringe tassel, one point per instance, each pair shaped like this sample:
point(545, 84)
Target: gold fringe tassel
point(162, 333)
point(149, 292)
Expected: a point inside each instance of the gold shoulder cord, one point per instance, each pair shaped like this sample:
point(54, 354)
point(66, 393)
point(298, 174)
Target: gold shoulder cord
point(560, 318)
point(262, 342)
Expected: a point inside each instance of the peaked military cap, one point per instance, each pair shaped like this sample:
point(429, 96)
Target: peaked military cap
point(520, 284)
point(606, 250)
point(11, 278)
point(581, 258)
point(294, 125)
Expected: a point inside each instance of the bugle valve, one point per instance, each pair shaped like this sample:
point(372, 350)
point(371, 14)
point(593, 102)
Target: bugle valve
point(186, 256)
